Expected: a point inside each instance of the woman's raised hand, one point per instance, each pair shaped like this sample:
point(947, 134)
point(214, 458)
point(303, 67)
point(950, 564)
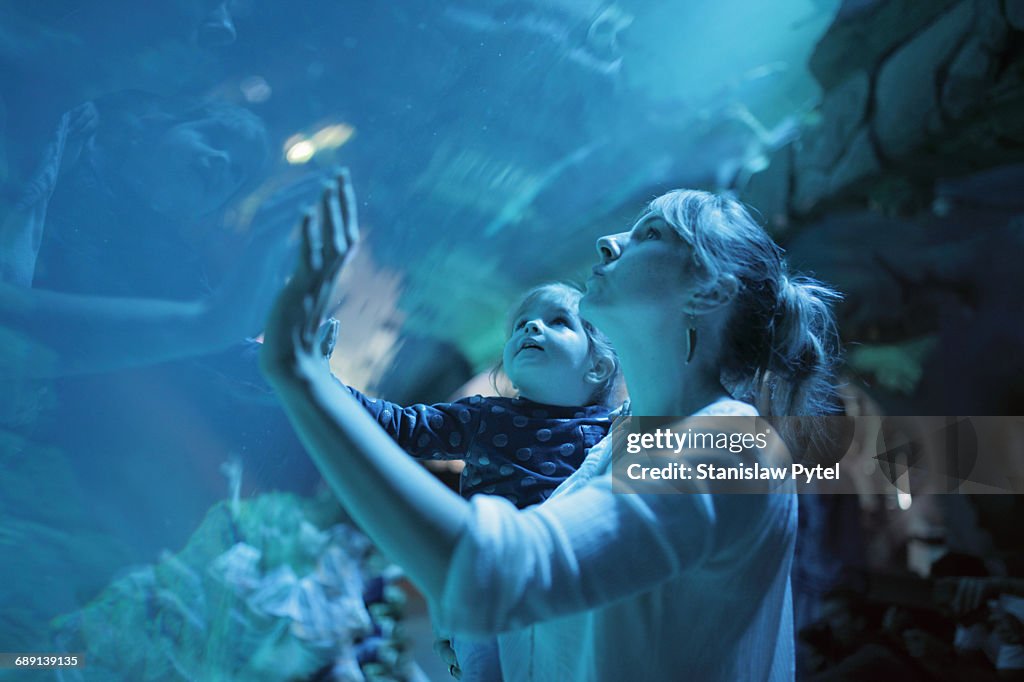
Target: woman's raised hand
point(292, 338)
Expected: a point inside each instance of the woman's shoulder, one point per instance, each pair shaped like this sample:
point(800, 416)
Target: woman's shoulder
point(727, 407)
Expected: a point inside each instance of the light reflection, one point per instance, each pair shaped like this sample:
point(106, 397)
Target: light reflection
point(300, 152)
point(300, 149)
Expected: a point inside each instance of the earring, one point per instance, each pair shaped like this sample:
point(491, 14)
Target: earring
point(691, 339)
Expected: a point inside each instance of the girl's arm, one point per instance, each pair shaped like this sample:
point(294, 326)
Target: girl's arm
point(411, 515)
point(438, 432)
point(442, 431)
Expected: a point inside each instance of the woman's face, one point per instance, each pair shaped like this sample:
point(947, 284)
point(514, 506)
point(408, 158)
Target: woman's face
point(650, 265)
point(195, 167)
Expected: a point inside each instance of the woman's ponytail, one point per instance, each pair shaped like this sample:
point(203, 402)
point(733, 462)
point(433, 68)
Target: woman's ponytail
point(803, 347)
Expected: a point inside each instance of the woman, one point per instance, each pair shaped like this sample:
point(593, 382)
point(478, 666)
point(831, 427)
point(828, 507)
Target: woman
point(593, 585)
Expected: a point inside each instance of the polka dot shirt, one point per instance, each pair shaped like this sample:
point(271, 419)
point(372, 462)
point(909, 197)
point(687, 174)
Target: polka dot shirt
point(512, 447)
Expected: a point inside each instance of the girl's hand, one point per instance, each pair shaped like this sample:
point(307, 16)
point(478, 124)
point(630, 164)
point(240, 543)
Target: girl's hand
point(292, 341)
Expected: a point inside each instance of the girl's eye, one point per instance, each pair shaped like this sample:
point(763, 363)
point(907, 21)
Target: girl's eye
point(519, 324)
point(560, 320)
point(652, 233)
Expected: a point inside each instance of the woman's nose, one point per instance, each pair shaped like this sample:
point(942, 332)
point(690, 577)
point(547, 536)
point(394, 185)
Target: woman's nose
point(608, 248)
point(533, 327)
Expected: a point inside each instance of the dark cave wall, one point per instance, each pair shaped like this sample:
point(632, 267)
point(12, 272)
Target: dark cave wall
point(903, 191)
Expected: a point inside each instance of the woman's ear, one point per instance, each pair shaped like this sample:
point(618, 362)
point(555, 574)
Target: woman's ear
point(715, 295)
point(600, 369)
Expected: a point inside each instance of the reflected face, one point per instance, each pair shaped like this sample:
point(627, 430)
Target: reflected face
point(650, 265)
point(548, 354)
point(196, 167)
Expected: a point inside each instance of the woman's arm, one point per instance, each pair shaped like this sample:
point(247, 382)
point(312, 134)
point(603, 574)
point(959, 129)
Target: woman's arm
point(411, 515)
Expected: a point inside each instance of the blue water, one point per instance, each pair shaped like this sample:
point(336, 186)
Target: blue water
point(156, 159)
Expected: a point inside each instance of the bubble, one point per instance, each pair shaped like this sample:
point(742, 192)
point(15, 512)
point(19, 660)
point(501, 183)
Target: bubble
point(455, 439)
point(500, 441)
point(524, 454)
point(544, 435)
point(547, 468)
point(506, 470)
point(484, 460)
point(566, 449)
point(519, 421)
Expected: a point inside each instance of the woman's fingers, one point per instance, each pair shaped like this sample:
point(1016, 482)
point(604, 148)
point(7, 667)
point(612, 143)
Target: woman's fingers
point(328, 233)
point(339, 216)
point(309, 255)
point(308, 277)
point(331, 218)
point(350, 221)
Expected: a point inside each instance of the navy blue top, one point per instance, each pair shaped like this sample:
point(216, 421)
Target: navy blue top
point(512, 447)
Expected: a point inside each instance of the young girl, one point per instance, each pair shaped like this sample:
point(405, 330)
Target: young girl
point(521, 448)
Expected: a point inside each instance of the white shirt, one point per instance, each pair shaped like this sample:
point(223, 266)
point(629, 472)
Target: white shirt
point(596, 585)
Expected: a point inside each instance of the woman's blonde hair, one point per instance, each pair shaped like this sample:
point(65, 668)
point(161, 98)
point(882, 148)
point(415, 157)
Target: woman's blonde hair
point(780, 345)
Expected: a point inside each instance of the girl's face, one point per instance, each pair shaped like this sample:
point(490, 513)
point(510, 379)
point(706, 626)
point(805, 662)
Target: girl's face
point(547, 357)
point(649, 266)
point(195, 167)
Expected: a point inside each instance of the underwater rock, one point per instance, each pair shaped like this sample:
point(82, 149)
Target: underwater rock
point(858, 163)
point(990, 25)
point(906, 106)
point(969, 77)
point(858, 41)
point(810, 185)
point(1014, 10)
point(842, 110)
point(768, 190)
point(263, 594)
